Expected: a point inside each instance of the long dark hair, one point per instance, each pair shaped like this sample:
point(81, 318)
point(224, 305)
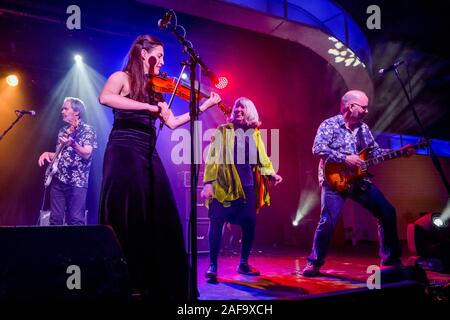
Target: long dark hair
point(135, 67)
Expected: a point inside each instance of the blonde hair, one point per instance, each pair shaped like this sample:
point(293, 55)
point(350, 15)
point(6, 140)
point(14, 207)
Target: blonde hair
point(251, 114)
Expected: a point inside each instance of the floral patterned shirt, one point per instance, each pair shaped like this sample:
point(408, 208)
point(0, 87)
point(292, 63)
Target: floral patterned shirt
point(72, 168)
point(334, 141)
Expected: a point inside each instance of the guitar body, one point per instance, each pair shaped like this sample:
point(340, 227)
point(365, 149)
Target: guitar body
point(53, 165)
point(50, 171)
point(340, 176)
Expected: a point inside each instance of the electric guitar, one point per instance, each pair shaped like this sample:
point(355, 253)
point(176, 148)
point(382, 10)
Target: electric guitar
point(340, 176)
point(53, 165)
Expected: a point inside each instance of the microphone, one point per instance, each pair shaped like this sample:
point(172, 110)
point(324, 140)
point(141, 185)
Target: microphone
point(165, 21)
point(388, 69)
point(30, 112)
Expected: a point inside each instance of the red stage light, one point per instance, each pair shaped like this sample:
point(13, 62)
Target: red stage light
point(221, 83)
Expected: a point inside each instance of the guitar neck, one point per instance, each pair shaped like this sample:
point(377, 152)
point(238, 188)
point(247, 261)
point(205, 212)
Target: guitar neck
point(387, 156)
point(60, 147)
point(393, 154)
point(58, 151)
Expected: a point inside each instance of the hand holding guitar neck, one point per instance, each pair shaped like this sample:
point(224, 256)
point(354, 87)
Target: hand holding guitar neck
point(66, 140)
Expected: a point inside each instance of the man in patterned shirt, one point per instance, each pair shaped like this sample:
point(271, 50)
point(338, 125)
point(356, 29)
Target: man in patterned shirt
point(68, 188)
point(339, 139)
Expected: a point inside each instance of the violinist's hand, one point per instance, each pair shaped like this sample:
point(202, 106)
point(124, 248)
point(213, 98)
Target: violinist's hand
point(213, 99)
point(165, 111)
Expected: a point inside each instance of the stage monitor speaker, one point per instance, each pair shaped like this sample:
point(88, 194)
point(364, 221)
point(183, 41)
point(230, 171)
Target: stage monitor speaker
point(202, 235)
point(400, 286)
point(63, 263)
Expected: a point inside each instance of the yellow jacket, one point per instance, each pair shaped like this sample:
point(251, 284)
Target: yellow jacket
point(221, 171)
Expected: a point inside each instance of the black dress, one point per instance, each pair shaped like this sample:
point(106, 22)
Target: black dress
point(137, 201)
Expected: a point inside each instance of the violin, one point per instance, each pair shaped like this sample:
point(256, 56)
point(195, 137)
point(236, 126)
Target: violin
point(164, 84)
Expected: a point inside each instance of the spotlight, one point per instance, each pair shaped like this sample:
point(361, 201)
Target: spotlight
point(12, 80)
point(184, 76)
point(437, 221)
point(78, 58)
point(429, 241)
point(221, 83)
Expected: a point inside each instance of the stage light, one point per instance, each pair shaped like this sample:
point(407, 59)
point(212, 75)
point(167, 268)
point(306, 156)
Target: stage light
point(12, 80)
point(78, 58)
point(429, 240)
point(308, 200)
point(343, 54)
point(437, 221)
point(184, 76)
point(221, 83)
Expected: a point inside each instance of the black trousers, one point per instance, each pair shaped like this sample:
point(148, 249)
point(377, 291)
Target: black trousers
point(241, 212)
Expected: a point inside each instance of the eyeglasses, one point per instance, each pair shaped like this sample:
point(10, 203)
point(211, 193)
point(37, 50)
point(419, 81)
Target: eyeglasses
point(362, 107)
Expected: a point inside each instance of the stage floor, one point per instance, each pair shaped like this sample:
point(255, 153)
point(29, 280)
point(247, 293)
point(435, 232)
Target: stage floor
point(281, 277)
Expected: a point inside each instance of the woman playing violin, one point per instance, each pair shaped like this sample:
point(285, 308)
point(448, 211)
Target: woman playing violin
point(136, 197)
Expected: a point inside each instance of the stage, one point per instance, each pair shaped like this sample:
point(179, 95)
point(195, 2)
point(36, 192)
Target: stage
point(345, 273)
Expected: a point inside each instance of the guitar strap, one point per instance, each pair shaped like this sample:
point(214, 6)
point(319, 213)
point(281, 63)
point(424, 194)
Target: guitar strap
point(361, 145)
point(360, 142)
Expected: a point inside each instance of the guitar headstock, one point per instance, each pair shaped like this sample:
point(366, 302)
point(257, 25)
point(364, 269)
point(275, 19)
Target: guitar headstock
point(423, 143)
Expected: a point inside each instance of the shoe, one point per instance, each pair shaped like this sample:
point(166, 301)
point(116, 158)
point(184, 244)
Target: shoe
point(212, 271)
point(245, 268)
point(311, 270)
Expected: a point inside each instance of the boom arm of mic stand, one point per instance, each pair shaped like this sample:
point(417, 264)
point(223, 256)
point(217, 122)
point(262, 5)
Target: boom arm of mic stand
point(434, 158)
point(188, 47)
point(19, 116)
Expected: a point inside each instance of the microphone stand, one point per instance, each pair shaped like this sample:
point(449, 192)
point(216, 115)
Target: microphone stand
point(434, 158)
point(19, 116)
point(194, 60)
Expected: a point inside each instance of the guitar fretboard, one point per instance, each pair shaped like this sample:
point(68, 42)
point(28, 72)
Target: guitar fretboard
point(392, 155)
point(387, 156)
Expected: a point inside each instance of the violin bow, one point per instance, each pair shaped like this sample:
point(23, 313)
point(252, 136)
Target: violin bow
point(176, 87)
point(161, 125)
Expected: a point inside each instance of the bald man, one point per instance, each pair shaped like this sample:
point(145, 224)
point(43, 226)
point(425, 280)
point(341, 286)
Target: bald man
point(339, 139)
